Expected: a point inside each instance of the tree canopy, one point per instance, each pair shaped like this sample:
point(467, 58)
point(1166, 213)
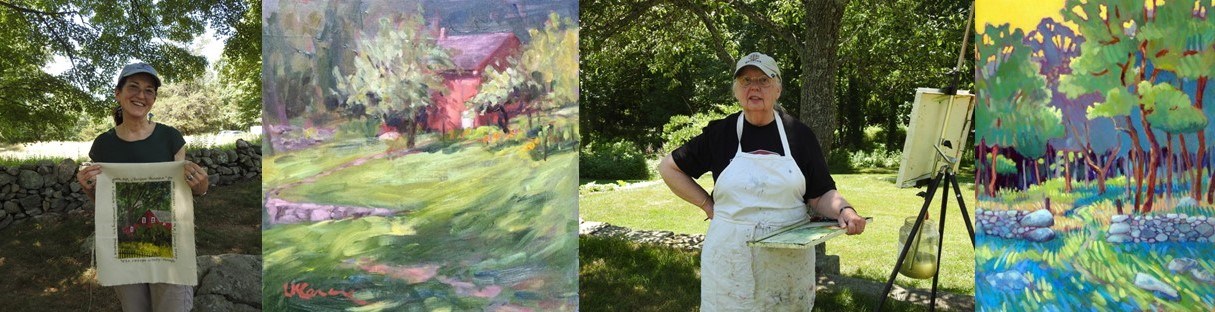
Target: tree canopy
point(97, 38)
point(645, 61)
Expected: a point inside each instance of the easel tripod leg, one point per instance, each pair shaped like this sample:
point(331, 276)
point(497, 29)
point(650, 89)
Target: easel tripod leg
point(915, 228)
point(957, 193)
point(932, 302)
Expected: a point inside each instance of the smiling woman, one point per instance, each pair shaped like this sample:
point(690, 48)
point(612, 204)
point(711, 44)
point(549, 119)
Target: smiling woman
point(136, 139)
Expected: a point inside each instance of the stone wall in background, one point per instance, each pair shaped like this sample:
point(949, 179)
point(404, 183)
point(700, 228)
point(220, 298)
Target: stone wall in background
point(1032, 226)
point(46, 187)
point(823, 263)
point(1172, 227)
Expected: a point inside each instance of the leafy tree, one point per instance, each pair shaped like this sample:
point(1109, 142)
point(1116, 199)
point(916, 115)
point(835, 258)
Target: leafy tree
point(1012, 99)
point(200, 105)
point(807, 30)
point(241, 65)
point(877, 37)
point(548, 59)
point(134, 199)
point(1130, 43)
point(498, 88)
point(1179, 38)
point(97, 38)
point(396, 71)
point(304, 42)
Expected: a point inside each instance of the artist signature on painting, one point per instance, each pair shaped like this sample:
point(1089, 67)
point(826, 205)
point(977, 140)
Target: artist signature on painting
point(307, 293)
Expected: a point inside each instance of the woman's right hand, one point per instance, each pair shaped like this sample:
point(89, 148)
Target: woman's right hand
point(87, 177)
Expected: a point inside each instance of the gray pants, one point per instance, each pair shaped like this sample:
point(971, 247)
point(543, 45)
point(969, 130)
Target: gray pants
point(155, 297)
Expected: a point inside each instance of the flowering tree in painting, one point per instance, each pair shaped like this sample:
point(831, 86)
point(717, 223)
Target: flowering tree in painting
point(395, 72)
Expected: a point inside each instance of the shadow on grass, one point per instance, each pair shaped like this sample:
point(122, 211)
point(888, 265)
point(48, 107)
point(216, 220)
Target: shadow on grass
point(44, 265)
point(618, 275)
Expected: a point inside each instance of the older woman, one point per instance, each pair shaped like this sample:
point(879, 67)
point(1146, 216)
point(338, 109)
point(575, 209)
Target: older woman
point(768, 168)
point(136, 139)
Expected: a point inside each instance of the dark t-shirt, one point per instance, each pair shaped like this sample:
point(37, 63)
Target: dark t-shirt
point(160, 146)
point(713, 149)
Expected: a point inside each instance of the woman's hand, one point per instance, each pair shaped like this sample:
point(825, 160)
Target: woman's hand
point(684, 187)
point(196, 177)
point(852, 222)
point(87, 177)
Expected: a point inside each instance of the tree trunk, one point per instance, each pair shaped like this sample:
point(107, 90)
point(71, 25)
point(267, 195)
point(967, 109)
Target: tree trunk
point(1168, 165)
point(991, 184)
point(1153, 162)
point(1202, 144)
point(1137, 164)
point(1067, 172)
point(1037, 174)
point(818, 68)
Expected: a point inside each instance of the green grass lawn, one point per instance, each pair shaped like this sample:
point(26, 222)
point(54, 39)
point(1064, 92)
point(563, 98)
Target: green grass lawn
point(44, 268)
point(492, 217)
point(1079, 268)
point(655, 278)
point(870, 255)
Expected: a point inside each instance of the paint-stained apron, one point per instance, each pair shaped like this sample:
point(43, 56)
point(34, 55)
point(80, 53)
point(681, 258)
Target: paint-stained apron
point(755, 195)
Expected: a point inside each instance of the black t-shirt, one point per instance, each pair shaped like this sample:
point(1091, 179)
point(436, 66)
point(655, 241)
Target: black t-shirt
point(160, 146)
point(713, 149)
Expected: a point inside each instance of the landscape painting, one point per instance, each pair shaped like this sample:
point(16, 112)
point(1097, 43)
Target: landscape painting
point(420, 155)
point(144, 213)
point(1095, 174)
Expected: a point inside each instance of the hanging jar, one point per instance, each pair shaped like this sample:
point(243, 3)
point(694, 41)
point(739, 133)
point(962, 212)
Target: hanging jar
point(921, 259)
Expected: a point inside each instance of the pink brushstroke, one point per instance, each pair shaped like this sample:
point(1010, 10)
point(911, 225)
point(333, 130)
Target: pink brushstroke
point(469, 289)
point(410, 274)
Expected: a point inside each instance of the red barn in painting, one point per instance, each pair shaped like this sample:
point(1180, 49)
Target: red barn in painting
point(149, 219)
point(472, 54)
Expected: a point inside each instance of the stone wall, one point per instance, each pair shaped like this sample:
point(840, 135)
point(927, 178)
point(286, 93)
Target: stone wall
point(1032, 226)
point(280, 211)
point(48, 187)
point(1171, 227)
point(229, 283)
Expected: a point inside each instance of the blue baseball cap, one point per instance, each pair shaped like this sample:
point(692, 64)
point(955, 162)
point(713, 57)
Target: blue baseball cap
point(138, 68)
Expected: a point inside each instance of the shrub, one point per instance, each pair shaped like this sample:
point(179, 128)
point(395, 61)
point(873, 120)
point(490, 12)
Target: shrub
point(362, 128)
point(680, 129)
point(616, 160)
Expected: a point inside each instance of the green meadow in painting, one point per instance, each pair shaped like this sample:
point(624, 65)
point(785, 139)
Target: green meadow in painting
point(420, 159)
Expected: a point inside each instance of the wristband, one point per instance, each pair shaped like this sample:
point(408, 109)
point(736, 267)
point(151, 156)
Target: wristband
point(842, 210)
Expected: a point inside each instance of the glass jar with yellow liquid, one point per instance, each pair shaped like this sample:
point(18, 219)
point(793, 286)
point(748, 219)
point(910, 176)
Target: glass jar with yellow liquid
point(921, 259)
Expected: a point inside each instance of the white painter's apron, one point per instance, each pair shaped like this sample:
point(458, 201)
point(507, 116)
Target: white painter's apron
point(755, 195)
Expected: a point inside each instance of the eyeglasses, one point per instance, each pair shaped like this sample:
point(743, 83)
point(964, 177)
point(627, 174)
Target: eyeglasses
point(151, 93)
point(762, 82)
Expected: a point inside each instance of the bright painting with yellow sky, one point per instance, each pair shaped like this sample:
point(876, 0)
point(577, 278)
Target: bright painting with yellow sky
point(1095, 174)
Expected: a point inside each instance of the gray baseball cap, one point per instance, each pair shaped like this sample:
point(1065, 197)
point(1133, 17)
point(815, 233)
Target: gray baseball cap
point(136, 68)
point(759, 60)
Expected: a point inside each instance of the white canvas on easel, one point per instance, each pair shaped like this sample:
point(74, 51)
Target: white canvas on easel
point(935, 117)
point(144, 225)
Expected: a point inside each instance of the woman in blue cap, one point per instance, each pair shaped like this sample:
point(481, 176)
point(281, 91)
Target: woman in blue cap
point(768, 172)
point(136, 139)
